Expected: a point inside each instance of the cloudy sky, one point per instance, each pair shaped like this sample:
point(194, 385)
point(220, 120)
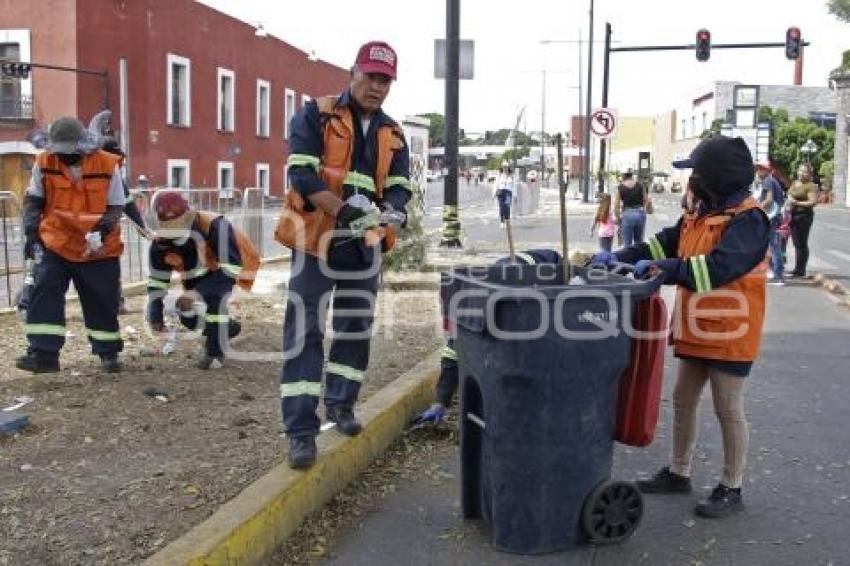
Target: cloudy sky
point(509, 56)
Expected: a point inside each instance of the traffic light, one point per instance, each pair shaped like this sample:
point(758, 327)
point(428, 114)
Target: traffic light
point(703, 45)
point(16, 70)
point(793, 43)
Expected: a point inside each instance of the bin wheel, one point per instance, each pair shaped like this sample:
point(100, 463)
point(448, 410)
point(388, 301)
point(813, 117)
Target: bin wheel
point(612, 512)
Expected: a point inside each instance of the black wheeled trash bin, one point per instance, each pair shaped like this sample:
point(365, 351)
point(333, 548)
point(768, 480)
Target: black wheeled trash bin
point(539, 364)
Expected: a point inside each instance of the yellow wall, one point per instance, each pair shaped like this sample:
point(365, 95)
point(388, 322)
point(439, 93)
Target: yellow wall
point(633, 132)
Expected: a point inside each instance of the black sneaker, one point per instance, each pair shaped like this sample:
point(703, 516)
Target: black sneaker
point(110, 364)
point(37, 364)
point(302, 452)
point(210, 362)
point(665, 481)
point(722, 502)
point(345, 420)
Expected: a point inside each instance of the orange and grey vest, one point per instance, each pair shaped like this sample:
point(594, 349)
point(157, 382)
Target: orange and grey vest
point(244, 274)
point(311, 231)
point(74, 208)
point(717, 324)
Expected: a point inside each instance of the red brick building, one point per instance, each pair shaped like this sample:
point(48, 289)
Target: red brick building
point(199, 98)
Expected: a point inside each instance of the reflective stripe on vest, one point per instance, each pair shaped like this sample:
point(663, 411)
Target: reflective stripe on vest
point(699, 267)
point(656, 249)
point(449, 353)
point(218, 318)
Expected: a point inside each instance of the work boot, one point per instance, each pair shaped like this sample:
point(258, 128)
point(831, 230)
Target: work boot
point(110, 364)
point(37, 364)
point(211, 362)
point(344, 419)
point(234, 327)
point(722, 502)
point(302, 452)
point(665, 481)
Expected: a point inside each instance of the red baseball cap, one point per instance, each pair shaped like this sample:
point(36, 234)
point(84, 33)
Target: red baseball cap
point(174, 215)
point(377, 57)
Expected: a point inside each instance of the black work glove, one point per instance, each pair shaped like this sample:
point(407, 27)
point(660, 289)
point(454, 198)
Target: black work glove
point(351, 218)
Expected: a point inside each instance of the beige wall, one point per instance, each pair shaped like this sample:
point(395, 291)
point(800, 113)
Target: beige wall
point(665, 148)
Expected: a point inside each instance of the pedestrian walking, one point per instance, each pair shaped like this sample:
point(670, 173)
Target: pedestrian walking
point(631, 200)
point(211, 256)
point(771, 198)
point(716, 257)
point(605, 222)
point(349, 160)
point(504, 191)
point(802, 199)
point(71, 217)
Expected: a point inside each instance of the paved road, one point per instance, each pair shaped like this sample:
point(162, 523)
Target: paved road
point(797, 488)
point(829, 243)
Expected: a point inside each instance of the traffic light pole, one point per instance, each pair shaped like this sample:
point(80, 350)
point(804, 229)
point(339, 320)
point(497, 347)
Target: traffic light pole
point(102, 75)
point(688, 47)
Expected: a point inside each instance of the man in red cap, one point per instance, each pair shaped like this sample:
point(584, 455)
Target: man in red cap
point(211, 256)
point(348, 169)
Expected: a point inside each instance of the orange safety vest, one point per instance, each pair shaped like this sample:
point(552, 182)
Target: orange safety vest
point(311, 231)
point(247, 252)
point(724, 323)
point(73, 208)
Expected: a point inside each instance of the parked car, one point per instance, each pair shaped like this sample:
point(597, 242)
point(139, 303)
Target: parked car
point(676, 187)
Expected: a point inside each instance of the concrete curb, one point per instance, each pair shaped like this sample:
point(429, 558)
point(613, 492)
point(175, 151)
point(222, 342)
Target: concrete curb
point(249, 528)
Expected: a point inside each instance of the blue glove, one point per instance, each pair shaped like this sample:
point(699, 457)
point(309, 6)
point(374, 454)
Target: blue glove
point(433, 416)
point(642, 268)
point(605, 259)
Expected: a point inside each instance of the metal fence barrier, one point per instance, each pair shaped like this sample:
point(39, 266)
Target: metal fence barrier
point(246, 209)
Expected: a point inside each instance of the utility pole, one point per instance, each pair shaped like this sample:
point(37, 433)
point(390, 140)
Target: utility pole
point(543, 132)
point(602, 143)
point(586, 183)
point(580, 114)
point(451, 220)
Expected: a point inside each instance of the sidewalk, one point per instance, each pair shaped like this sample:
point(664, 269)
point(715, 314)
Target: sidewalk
point(797, 489)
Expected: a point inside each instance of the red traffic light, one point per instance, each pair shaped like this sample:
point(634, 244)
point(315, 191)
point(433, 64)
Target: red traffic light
point(703, 46)
point(793, 43)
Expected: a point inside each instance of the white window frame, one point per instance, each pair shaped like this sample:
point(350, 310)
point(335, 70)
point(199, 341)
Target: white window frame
point(22, 38)
point(173, 163)
point(288, 111)
point(225, 166)
point(171, 60)
point(261, 84)
point(220, 74)
point(263, 167)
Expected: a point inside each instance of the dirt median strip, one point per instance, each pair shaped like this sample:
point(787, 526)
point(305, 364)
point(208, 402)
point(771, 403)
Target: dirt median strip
point(249, 528)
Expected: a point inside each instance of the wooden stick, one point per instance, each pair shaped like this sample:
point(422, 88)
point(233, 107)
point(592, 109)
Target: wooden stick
point(562, 199)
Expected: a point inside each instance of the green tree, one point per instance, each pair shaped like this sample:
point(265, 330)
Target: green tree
point(787, 137)
point(436, 131)
point(840, 9)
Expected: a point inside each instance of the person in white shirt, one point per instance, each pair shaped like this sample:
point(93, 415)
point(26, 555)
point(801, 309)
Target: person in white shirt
point(504, 190)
